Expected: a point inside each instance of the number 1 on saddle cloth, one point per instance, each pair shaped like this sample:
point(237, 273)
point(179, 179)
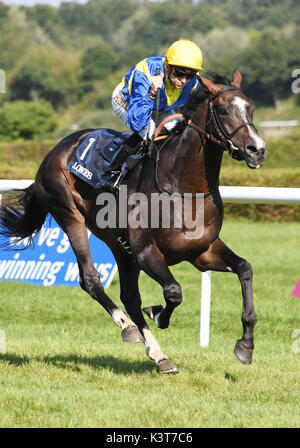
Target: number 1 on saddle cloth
point(105, 157)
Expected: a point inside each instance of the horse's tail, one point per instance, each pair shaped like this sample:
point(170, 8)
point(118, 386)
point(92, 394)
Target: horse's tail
point(21, 219)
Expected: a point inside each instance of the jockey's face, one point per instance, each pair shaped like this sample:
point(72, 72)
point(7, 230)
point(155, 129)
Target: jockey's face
point(177, 78)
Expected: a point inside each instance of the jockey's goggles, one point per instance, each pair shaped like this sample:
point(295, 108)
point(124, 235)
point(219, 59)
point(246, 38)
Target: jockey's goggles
point(181, 72)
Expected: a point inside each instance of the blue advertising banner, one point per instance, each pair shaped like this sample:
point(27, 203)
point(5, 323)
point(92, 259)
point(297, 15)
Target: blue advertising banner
point(52, 261)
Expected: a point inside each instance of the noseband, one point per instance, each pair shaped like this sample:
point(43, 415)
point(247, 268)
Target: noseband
point(224, 139)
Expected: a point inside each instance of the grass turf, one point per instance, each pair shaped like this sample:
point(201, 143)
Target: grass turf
point(65, 364)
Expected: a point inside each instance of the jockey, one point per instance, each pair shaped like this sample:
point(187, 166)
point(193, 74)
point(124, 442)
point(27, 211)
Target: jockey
point(133, 100)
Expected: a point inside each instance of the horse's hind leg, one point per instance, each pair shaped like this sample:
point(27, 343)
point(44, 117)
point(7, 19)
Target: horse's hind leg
point(220, 258)
point(130, 296)
point(89, 276)
point(61, 206)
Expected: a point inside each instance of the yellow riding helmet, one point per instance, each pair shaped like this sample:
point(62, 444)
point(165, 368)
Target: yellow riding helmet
point(185, 53)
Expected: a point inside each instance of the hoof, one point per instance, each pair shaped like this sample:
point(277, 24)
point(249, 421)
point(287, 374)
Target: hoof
point(166, 366)
point(132, 334)
point(243, 353)
point(153, 312)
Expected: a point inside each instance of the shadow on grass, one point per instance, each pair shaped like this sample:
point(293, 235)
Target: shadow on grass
point(13, 358)
point(119, 366)
point(73, 362)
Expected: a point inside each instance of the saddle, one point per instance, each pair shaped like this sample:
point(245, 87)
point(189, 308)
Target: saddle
point(99, 150)
point(109, 150)
point(96, 153)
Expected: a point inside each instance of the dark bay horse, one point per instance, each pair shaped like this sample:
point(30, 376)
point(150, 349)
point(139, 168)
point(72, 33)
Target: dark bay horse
point(217, 119)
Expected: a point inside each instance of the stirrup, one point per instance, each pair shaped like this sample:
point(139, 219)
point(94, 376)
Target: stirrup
point(110, 181)
point(116, 184)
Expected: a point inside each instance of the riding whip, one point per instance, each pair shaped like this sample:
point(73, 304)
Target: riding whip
point(157, 73)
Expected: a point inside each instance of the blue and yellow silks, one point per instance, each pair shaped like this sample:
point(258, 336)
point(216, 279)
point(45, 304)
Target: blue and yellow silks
point(135, 88)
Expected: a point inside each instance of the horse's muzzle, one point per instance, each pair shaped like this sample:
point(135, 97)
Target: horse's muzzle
point(255, 156)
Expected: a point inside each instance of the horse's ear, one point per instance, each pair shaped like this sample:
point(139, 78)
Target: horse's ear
point(236, 78)
point(209, 85)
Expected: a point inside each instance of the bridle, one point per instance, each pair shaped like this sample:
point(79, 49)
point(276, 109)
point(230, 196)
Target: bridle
point(223, 139)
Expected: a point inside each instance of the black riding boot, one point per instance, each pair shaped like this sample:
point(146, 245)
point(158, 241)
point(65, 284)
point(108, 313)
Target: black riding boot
point(109, 179)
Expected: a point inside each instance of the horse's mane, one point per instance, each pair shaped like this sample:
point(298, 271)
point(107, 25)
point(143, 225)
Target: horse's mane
point(197, 98)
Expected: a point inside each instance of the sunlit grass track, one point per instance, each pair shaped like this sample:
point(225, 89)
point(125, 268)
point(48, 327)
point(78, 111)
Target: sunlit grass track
point(65, 364)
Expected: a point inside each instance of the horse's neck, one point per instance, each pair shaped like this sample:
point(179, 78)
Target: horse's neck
point(197, 162)
point(213, 160)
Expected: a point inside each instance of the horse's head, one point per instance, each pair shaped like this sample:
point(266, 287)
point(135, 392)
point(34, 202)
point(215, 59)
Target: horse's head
point(230, 118)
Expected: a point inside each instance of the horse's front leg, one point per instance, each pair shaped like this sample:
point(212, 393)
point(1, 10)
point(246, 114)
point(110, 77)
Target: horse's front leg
point(152, 262)
point(220, 258)
point(130, 296)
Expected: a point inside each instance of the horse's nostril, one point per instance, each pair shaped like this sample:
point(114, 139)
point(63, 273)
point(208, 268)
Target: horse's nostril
point(251, 148)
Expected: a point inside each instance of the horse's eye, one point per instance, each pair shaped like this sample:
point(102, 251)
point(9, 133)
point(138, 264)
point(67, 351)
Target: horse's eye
point(222, 111)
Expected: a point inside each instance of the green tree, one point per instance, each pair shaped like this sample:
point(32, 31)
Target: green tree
point(268, 63)
point(32, 83)
point(49, 20)
point(26, 120)
point(46, 71)
point(72, 15)
point(97, 62)
point(16, 37)
point(259, 14)
point(162, 24)
point(222, 43)
point(97, 17)
point(3, 12)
